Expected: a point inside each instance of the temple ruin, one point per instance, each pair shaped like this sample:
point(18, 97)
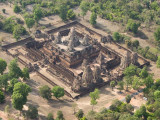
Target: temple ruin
point(75, 58)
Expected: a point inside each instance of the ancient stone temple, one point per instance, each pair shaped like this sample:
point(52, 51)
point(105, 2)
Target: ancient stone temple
point(87, 77)
point(76, 58)
point(97, 75)
point(57, 38)
point(100, 59)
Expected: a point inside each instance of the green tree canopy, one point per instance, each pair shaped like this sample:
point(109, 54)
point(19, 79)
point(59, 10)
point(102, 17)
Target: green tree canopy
point(71, 15)
point(130, 71)
point(58, 91)
point(14, 70)
point(158, 62)
point(128, 98)
point(112, 84)
point(93, 18)
point(84, 7)
point(63, 12)
point(32, 112)
point(60, 116)
point(4, 81)
point(37, 14)
point(3, 65)
point(25, 73)
point(94, 96)
point(143, 73)
point(79, 114)
point(50, 116)
point(45, 92)
point(2, 97)
point(132, 26)
point(149, 81)
point(29, 22)
point(19, 96)
point(18, 31)
point(157, 35)
point(16, 9)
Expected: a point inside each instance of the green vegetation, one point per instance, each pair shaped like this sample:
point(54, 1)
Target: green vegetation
point(17, 9)
point(19, 96)
point(93, 18)
point(58, 92)
point(50, 116)
point(3, 65)
point(158, 62)
point(112, 84)
point(94, 96)
point(32, 112)
point(45, 92)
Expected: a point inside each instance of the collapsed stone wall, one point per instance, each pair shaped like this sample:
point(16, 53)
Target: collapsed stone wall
point(18, 43)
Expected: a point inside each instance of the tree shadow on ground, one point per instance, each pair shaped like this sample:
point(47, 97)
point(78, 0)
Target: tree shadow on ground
point(141, 34)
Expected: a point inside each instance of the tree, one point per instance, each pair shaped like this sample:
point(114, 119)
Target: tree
point(94, 96)
point(143, 74)
point(70, 14)
point(135, 43)
point(117, 37)
point(16, 9)
point(2, 97)
point(14, 70)
point(63, 12)
point(60, 116)
point(19, 96)
point(4, 81)
point(141, 112)
point(17, 101)
point(32, 112)
point(158, 62)
point(3, 65)
point(157, 94)
point(58, 91)
point(157, 34)
point(79, 114)
point(136, 83)
point(132, 26)
point(120, 85)
point(130, 71)
point(84, 7)
point(25, 73)
point(112, 84)
point(157, 113)
point(93, 18)
point(128, 81)
point(12, 83)
point(4, 11)
point(18, 31)
point(29, 22)
point(45, 92)
point(84, 118)
point(128, 98)
point(50, 116)
point(149, 81)
point(37, 14)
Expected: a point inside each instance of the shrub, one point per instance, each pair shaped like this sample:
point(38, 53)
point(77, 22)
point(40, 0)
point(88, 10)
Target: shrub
point(70, 14)
point(2, 97)
point(32, 112)
point(16, 9)
point(4, 10)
